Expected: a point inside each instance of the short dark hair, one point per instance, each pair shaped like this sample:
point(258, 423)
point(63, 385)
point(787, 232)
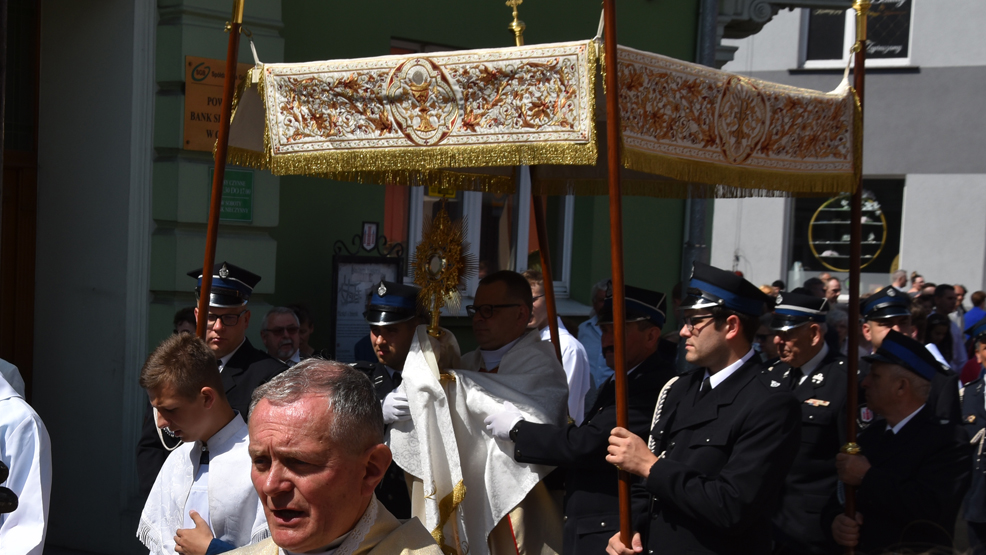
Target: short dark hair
point(357, 419)
point(517, 286)
point(919, 317)
point(813, 282)
point(943, 289)
point(778, 284)
point(186, 314)
point(748, 322)
point(186, 363)
point(978, 298)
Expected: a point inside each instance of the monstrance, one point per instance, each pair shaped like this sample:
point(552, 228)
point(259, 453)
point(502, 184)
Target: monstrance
point(441, 264)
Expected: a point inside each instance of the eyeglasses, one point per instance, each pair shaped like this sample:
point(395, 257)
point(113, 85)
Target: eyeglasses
point(290, 330)
point(228, 319)
point(486, 310)
point(764, 337)
point(536, 297)
point(690, 321)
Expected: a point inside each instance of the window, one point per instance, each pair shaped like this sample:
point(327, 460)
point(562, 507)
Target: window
point(821, 230)
point(500, 229)
point(829, 35)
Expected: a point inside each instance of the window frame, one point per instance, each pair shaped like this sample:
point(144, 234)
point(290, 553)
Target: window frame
point(472, 209)
point(849, 37)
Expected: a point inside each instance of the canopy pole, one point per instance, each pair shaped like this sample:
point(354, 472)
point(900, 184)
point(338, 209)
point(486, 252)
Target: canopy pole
point(616, 248)
point(222, 145)
point(862, 8)
point(549, 285)
point(517, 28)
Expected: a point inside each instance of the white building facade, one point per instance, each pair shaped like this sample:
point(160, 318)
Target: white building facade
point(924, 147)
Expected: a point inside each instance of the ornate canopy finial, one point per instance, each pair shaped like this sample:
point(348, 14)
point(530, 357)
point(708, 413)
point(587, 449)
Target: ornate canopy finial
point(517, 26)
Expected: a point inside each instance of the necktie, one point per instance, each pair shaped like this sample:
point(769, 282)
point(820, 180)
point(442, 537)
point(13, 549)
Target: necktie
point(204, 458)
point(397, 379)
point(704, 390)
point(795, 378)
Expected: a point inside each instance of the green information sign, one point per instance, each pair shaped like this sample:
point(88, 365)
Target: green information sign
point(237, 195)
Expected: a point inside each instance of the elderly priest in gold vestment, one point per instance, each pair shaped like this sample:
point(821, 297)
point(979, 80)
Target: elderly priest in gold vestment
point(316, 444)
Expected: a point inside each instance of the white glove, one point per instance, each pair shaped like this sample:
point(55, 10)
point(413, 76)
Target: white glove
point(395, 407)
point(500, 424)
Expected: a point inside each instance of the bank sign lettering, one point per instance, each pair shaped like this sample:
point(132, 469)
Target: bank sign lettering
point(237, 203)
point(203, 100)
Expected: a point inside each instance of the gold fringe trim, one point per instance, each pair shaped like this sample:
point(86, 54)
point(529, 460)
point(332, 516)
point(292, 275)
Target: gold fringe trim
point(426, 158)
point(692, 171)
point(658, 188)
point(446, 507)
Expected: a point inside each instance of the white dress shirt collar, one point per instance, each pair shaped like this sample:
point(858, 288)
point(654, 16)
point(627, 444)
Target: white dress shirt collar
point(720, 376)
point(225, 359)
point(905, 420)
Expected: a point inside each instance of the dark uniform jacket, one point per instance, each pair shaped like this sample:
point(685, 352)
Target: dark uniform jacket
point(974, 421)
point(911, 494)
point(723, 459)
point(246, 370)
point(392, 490)
point(943, 398)
point(812, 478)
point(592, 513)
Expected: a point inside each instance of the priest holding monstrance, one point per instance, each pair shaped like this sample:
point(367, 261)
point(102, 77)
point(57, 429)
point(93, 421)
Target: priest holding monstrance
point(468, 490)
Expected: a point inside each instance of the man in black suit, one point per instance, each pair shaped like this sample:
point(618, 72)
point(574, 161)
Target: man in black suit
point(591, 505)
point(393, 317)
point(242, 367)
point(914, 467)
point(817, 376)
point(722, 439)
point(974, 420)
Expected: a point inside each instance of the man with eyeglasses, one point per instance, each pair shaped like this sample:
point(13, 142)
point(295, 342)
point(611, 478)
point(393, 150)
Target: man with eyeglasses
point(591, 499)
point(242, 367)
point(722, 440)
point(816, 375)
point(393, 317)
point(574, 359)
point(519, 374)
point(281, 335)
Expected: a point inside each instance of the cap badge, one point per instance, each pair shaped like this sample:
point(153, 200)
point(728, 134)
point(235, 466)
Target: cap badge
point(382, 290)
point(775, 383)
point(780, 299)
point(891, 292)
point(817, 379)
point(224, 271)
point(865, 414)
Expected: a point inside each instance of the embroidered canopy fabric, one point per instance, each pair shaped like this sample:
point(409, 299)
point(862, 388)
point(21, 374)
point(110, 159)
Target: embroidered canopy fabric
point(463, 120)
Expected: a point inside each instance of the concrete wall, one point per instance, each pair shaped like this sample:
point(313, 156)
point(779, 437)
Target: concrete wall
point(748, 235)
point(94, 162)
point(944, 231)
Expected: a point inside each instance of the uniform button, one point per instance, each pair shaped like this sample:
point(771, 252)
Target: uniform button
point(707, 440)
point(811, 417)
point(602, 524)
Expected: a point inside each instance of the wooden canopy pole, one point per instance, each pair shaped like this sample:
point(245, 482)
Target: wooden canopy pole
point(517, 27)
point(862, 8)
point(222, 145)
point(616, 248)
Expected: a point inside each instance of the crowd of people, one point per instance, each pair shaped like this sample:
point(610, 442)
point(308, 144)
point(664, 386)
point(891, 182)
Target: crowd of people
point(735, 442)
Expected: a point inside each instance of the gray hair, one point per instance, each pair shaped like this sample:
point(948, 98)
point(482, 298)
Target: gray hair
point(601, 285)
point(899, 274)
point(357, 420)
point(280, 310)
point(920, 386)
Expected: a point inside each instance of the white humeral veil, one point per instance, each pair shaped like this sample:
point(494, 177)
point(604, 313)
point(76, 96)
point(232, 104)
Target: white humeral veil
point(470, 479)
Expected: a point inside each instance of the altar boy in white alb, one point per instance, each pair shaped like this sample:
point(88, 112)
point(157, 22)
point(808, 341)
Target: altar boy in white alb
point(203, 500)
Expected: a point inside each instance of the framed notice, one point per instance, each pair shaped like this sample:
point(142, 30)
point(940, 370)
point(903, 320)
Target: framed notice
point(204, 100)
point(353, 281)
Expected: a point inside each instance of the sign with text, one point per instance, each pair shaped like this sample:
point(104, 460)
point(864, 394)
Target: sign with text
point(204, 99)
point(237, 195)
